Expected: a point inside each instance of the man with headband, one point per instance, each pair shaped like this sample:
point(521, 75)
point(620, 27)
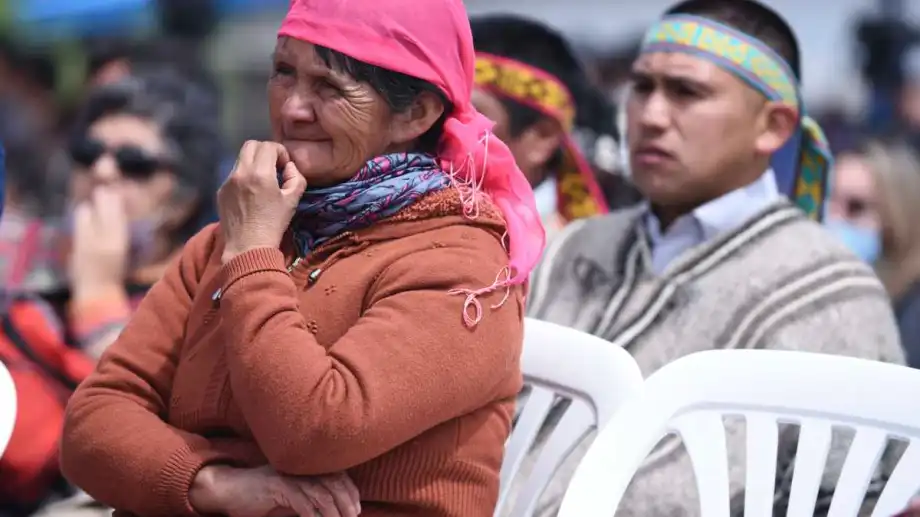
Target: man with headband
point(728, 253)
point(529, 82)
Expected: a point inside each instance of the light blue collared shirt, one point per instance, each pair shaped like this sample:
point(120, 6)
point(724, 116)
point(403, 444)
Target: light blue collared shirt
point(716, 217)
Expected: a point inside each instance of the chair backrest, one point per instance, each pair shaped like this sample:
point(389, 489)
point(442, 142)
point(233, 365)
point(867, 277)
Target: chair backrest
point(7, 407)
point(692, 395)
point(561, 362)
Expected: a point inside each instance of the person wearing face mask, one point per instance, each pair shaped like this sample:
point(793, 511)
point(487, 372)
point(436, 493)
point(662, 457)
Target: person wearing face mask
point(529, 82)
point(146, 152)
point(853, 215)
point(874, 209)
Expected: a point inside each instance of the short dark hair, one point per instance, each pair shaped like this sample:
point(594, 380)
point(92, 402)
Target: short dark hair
point(752, 18)
point(535, 44)
point(39, 66)
point(189, 119)
point(398, 90)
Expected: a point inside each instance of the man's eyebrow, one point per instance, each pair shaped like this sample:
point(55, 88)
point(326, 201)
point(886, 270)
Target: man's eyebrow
point(641, 75)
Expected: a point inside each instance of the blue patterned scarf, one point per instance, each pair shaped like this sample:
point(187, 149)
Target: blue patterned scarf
point(385, 185)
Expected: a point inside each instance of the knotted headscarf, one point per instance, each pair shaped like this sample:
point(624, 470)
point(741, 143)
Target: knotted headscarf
point(431, 40)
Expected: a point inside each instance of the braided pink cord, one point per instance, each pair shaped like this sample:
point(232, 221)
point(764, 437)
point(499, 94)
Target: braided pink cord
point(470, 189)
point(472, 307)
point(463, 178)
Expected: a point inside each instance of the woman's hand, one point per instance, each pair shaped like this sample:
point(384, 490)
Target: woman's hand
point(262, 492)
point(101, 243)
point(254, 211)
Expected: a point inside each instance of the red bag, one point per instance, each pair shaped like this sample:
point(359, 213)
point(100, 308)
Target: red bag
point(45, 372)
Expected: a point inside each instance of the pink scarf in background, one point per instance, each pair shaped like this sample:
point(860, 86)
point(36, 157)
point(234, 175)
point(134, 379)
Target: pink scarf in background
point(431, 40)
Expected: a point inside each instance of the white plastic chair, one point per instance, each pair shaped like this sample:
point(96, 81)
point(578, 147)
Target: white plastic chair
point(691, 395)
point(559, 361)
point(7, 407)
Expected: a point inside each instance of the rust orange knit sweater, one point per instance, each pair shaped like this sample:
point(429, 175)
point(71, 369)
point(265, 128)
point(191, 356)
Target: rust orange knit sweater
point(356, 361)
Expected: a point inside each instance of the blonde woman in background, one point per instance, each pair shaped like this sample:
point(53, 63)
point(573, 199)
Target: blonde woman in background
point(875, 209)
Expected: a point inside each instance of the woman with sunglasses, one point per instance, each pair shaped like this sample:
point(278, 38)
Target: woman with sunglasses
point(874, 209)
point(145, 152)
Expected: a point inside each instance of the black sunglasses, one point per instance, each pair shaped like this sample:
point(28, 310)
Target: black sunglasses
point(133, 161)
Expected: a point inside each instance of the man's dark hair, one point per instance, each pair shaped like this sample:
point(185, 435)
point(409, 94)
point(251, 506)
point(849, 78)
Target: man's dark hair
point(40, 68)
point(36, 63)
point(535, 44)
point(752, 18)
point(188, 19)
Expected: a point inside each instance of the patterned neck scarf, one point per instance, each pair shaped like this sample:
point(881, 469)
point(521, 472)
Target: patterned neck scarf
point(385, 185)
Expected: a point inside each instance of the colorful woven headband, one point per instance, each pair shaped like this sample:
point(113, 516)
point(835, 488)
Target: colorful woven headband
point(578, 193)
point(802, 165)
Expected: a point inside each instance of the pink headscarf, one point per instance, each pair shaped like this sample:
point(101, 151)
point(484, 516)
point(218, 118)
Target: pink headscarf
point(431, 40)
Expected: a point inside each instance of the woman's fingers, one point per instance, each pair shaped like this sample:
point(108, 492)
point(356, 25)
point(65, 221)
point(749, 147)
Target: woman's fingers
point(299, 502)
point(323, 500)
point(283, 157)
point(352, 490)
point(292, 182)
point(247, 153)
point(345, 494)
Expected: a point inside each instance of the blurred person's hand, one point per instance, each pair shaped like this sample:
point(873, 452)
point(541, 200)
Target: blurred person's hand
point(254, 211)
point(262, 492)
point(101, 244)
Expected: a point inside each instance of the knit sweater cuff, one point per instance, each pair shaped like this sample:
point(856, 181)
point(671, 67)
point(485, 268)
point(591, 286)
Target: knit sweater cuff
point(251, 262)
point(176, 479)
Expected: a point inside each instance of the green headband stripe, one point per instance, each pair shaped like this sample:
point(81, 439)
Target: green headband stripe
point(745, 56)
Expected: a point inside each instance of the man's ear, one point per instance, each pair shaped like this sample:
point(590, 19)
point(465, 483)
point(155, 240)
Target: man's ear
point(778, 123)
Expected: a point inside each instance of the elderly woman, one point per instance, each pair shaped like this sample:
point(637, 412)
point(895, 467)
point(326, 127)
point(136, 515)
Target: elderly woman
point(348, 337)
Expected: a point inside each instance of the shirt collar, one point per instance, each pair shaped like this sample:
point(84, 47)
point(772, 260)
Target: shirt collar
point(722, 214)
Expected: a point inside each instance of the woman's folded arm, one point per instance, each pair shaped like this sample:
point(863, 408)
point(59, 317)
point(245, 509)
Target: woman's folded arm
point(408, 364)
point(116, 445)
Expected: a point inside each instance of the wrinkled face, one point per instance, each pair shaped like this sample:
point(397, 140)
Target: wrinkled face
point(129, 153)
point(854, 198)
point(696, 131)
point(329, 122)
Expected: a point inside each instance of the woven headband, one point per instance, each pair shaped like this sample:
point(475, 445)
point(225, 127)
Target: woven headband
point(578, 193)
point(802, 165)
